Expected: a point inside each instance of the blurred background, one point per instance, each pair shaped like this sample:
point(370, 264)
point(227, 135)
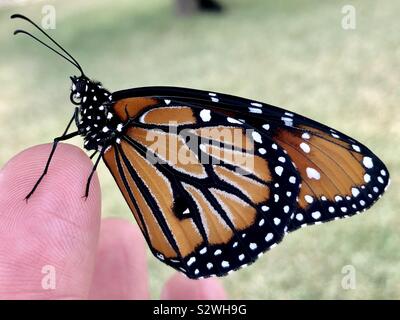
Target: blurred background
point(302, 55)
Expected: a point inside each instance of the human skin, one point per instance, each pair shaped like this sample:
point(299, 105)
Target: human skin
point(59, 233)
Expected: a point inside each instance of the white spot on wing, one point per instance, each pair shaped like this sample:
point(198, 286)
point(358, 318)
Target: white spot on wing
point(205, 115)
point(279, 170)
point(256, 136)
point(305, 147)
point(269, 237)
point(367, 161)
point(232, 120)
point(313, 174)
point(255, 110)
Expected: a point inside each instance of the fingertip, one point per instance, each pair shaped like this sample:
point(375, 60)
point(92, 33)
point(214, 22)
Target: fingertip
point(56, 227)
point(65, 172)
point(179, 287)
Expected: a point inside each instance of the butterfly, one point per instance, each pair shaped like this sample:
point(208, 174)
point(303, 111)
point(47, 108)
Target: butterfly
point(215, 180)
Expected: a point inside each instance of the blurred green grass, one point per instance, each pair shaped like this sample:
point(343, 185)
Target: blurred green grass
point(293, 54)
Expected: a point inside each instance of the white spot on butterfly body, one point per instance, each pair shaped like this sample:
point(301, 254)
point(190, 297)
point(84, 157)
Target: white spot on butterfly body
point(119, 127)
point(264, 208)
point(213, 99)
point(277, 221)
point(241, 257)
point(274, 146)
point(306, 136)
point(356, 148)
point(203, 251)
point(209, 265)
point(299, 217)
point(256, 104)
point(105, 129)
point(292, 179)
point(205, 115)
point(367, 161)
point(313, 174)
point(262, 151)
point(367, 178)
point(167, 102)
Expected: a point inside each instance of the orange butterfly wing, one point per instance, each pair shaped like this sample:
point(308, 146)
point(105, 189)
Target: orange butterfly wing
point(203, 218)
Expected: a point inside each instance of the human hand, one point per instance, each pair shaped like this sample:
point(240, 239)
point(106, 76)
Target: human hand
point(55, 246)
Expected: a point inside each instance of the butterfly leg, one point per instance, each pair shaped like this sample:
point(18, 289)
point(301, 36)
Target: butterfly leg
point(89, 180)
point(53, 149)
point(93, 154)
point(63, 137)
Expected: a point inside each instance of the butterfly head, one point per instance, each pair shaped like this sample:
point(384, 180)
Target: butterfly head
point(85, 90)
point(78, 88)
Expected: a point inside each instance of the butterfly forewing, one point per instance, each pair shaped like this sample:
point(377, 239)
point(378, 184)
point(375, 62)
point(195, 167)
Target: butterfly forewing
point(210, 194)
point(339, 176)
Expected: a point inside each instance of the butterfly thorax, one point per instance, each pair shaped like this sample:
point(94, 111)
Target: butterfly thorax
point(96, 120)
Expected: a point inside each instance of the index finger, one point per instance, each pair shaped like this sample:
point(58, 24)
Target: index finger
point(48, 244)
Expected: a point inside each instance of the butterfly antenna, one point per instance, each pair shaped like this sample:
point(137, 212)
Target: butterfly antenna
point(46, 45)
point(71, 59)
